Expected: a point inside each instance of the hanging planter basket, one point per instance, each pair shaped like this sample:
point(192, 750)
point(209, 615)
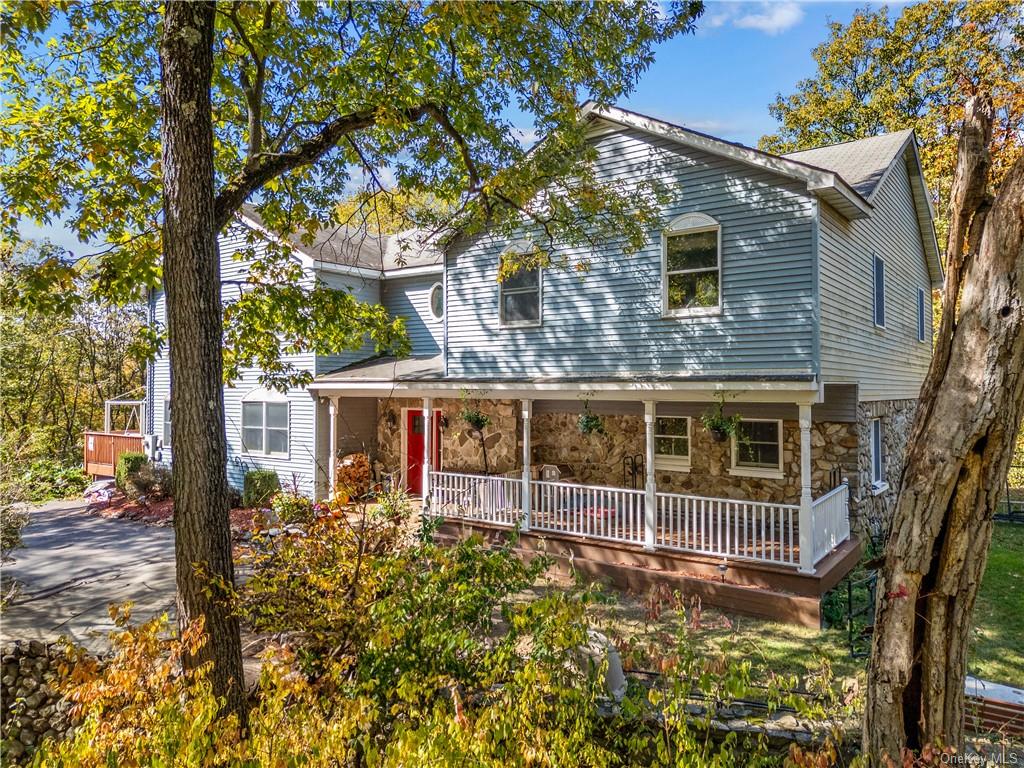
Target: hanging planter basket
point(718, 425)
point(718, 434)
point(589, 422)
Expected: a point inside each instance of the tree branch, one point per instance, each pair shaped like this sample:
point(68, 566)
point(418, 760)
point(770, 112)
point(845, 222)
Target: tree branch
point(265, 167)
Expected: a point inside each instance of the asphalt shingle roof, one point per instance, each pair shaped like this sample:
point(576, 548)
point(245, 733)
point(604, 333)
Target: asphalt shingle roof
point(355, 247)
point(861, 163)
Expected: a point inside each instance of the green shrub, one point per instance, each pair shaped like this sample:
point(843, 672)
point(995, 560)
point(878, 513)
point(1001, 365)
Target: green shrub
point(259, 486)
point(12, 520)
point(291, 508)
point(47, 479)
point(127, 464)
point(150, 481)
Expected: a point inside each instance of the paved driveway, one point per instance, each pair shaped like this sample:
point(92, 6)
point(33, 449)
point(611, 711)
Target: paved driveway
point(74, 565)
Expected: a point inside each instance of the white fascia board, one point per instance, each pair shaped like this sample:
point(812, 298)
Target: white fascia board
point(806, 392)
point(816, 179)
point(426, 269)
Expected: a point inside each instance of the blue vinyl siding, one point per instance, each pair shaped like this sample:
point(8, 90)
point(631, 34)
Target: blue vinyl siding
point(365, 290)
point(409, 297)
point(610, 321)
point(299, 464)
point(888, 363)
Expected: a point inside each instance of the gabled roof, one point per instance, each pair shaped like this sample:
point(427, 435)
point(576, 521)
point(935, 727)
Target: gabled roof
point(866, 163)
point(862, 162)
point(357, 249)
point(826, 183)
point(847, 176)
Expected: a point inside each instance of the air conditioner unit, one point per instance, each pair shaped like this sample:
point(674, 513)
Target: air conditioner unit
point(151, 447)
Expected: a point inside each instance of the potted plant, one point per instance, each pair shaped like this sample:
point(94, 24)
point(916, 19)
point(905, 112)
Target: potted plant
point(720, 426)
point(589, 422)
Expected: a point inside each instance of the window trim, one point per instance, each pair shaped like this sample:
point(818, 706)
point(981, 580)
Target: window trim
point(671, 462)
point(430, 301)
point(288, 429)
point(922, 305)
point(875, 261)
point(775, 473)
point(877, 455)
point(687, 224)
point(165, 435)
point(502, 323)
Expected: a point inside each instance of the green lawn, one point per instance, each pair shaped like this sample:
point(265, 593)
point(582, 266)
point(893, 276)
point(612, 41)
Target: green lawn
point(634, 621)
point(998, 652)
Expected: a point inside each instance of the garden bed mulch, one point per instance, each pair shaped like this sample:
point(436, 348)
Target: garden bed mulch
point(161, 513)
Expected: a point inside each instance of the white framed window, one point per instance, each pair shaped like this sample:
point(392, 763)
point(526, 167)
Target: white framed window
point(922, 325)
point(672, 442)
point(757, 448)
point(167, 421)
point(878, 282)
point(878, 483)
point(519, 299)
point(691, 266)
point(437, 301)
point(265, 426)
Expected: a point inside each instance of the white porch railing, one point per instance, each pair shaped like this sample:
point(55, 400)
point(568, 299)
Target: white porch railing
point(729, 528)
point(831, 516)
point(597, 512)
point(749, 530)
point(488, 499)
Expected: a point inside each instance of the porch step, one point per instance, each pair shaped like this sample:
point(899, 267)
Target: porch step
point(750, 588)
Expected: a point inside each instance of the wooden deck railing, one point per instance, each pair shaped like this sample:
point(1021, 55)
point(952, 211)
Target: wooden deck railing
point(831, 516)
point(750, 530)
point(729, 528)
point(597, 512)
point(102, 450)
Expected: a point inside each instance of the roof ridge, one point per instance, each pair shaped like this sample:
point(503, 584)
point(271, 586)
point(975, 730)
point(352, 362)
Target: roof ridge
point(848, 141)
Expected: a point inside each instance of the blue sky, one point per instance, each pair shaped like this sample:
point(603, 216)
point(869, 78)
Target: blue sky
point(719, 80)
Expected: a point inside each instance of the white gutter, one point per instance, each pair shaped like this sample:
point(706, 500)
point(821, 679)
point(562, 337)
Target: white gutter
point(702, 391)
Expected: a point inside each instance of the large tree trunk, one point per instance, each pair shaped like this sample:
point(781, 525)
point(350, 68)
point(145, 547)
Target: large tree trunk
point(969, 412)
point(192, 281)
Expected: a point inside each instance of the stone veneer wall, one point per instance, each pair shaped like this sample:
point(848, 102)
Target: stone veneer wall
point(460, 451)
point(597, 459)
point(869, 512)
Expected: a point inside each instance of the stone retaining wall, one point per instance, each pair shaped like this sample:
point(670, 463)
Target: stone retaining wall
point(32, 708)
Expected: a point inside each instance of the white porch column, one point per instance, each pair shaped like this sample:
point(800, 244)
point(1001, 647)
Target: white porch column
point(428, 446)
point(332, 445)
point(806, 515)
point(651, 489)
point(527, 415)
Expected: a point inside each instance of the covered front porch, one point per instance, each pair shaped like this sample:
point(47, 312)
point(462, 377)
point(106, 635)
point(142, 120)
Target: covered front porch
point(654, 480)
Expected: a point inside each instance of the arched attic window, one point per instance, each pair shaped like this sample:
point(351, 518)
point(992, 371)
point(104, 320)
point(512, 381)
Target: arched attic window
point(691, 266)
point(265, 423)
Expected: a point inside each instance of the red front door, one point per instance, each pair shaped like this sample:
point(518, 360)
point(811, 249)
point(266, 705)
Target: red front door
point(414, 435)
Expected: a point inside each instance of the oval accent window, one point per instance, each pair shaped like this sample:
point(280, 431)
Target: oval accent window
point(437, 301)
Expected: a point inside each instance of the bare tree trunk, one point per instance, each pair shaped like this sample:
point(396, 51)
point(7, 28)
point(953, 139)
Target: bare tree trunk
point(968, 416)
point(192, 282)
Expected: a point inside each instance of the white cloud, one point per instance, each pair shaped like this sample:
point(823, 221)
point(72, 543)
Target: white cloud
point(772, 18)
